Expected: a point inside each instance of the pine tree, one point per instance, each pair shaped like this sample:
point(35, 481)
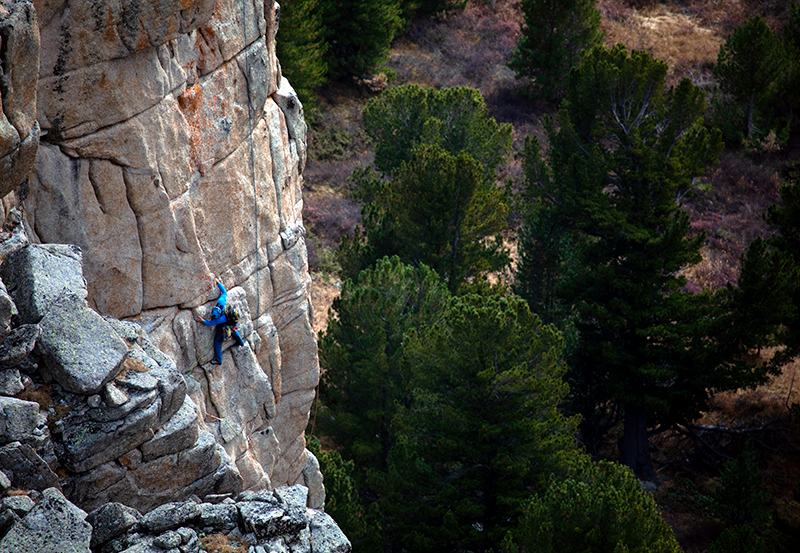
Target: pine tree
point(553, 36)
point(359, 33)
point(482, 428)
point(362, 379)
point(625, 153)
point(599, 508)
point(301, 46)
point(440, 205)
point(750, 69)
point(456, 119)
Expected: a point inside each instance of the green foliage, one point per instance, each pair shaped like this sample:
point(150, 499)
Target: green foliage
point(554, 35)
point(440, 206)
point(784, 219)
point(456, 119)
point(359, 33)
point(362, 379)
point(600, 508)
point(412, 8)
point(739, 539)
point(301, 46)
point(437, 210)
point(739, 499)
point(750, 69)
point(481, 430)
point(341, 495)
point(625, 153)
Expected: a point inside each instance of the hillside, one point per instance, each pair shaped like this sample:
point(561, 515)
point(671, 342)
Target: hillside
point(472, 48)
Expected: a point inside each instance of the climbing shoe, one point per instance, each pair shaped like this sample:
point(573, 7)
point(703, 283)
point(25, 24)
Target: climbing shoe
point(215, 362)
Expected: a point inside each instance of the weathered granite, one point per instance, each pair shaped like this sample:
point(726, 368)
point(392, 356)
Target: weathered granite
point(54, 525)
point(19, 67)
point(38, 275)
point(18, 344)
point(173, 149)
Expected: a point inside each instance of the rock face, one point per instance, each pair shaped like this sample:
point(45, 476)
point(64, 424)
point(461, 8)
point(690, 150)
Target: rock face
point(171, 156)
point(262, 522)
point(19, 68)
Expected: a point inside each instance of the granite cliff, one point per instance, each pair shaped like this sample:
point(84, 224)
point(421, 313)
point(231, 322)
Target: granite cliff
point(160, 141)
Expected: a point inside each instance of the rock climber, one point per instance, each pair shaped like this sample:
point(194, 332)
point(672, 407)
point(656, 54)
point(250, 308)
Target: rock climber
point(225, 318)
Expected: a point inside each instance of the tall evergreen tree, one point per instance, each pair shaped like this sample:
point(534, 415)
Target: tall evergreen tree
point(363, 381)
point(599, 508)
point(456, 119)
point(301, 46)
point(359, 33)
point(441, 205)
point(625, 153)
point(482, 429)
point(553, 36)
point(750, 68)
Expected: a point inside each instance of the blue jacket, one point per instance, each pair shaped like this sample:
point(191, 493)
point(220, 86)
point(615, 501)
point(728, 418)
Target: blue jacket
point(218, 313)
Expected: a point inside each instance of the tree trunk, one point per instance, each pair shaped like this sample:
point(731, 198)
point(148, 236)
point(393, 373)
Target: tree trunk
point(634, 444)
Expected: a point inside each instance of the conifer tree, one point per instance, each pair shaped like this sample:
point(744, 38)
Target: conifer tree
point(553, 36)
point(363, 380)
point(482, 428)
point(359, 33)
point(440, 205)
point(625, 153)
point(455, 119)
point(750, 68)
point(599, 508)
point(301, 46)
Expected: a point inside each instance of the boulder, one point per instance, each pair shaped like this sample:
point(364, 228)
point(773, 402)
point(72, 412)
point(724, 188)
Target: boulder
point(80, 349)
point(110, 521)
point(39, 275)
point(18, 418)
point(10, 382)
point(326, 536)
point(180, 433)
point(7, 310)
point(267, 521)
point(19, 344)
point(54, 525)
point(26, 469)
point(312, 476)
point(171, 516)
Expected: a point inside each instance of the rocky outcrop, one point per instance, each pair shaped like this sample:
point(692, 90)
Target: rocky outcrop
point(99, 403)
point(19, 68)
point(263, 521)
point(171, 156)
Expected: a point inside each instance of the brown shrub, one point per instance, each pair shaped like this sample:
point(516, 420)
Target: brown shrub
point(467, 48)
point(687, 45)
point(220, 543)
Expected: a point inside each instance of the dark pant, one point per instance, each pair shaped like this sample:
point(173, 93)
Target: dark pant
point(219, 337)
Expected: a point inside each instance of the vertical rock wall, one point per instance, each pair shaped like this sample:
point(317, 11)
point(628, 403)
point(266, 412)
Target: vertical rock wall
point(171, 152)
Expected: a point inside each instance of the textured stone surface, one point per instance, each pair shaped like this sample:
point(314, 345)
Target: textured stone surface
point(18, 418)
point(38, 275)
point(180, 432)
point(19, 66)
point(80, 349)
point(7, 310)
point(312, 476)
point(18, 344)
point(110, 521)
point(54, 525)
point(27, 470)
point(326, 536)
point(175, 151)
point(10, 382)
